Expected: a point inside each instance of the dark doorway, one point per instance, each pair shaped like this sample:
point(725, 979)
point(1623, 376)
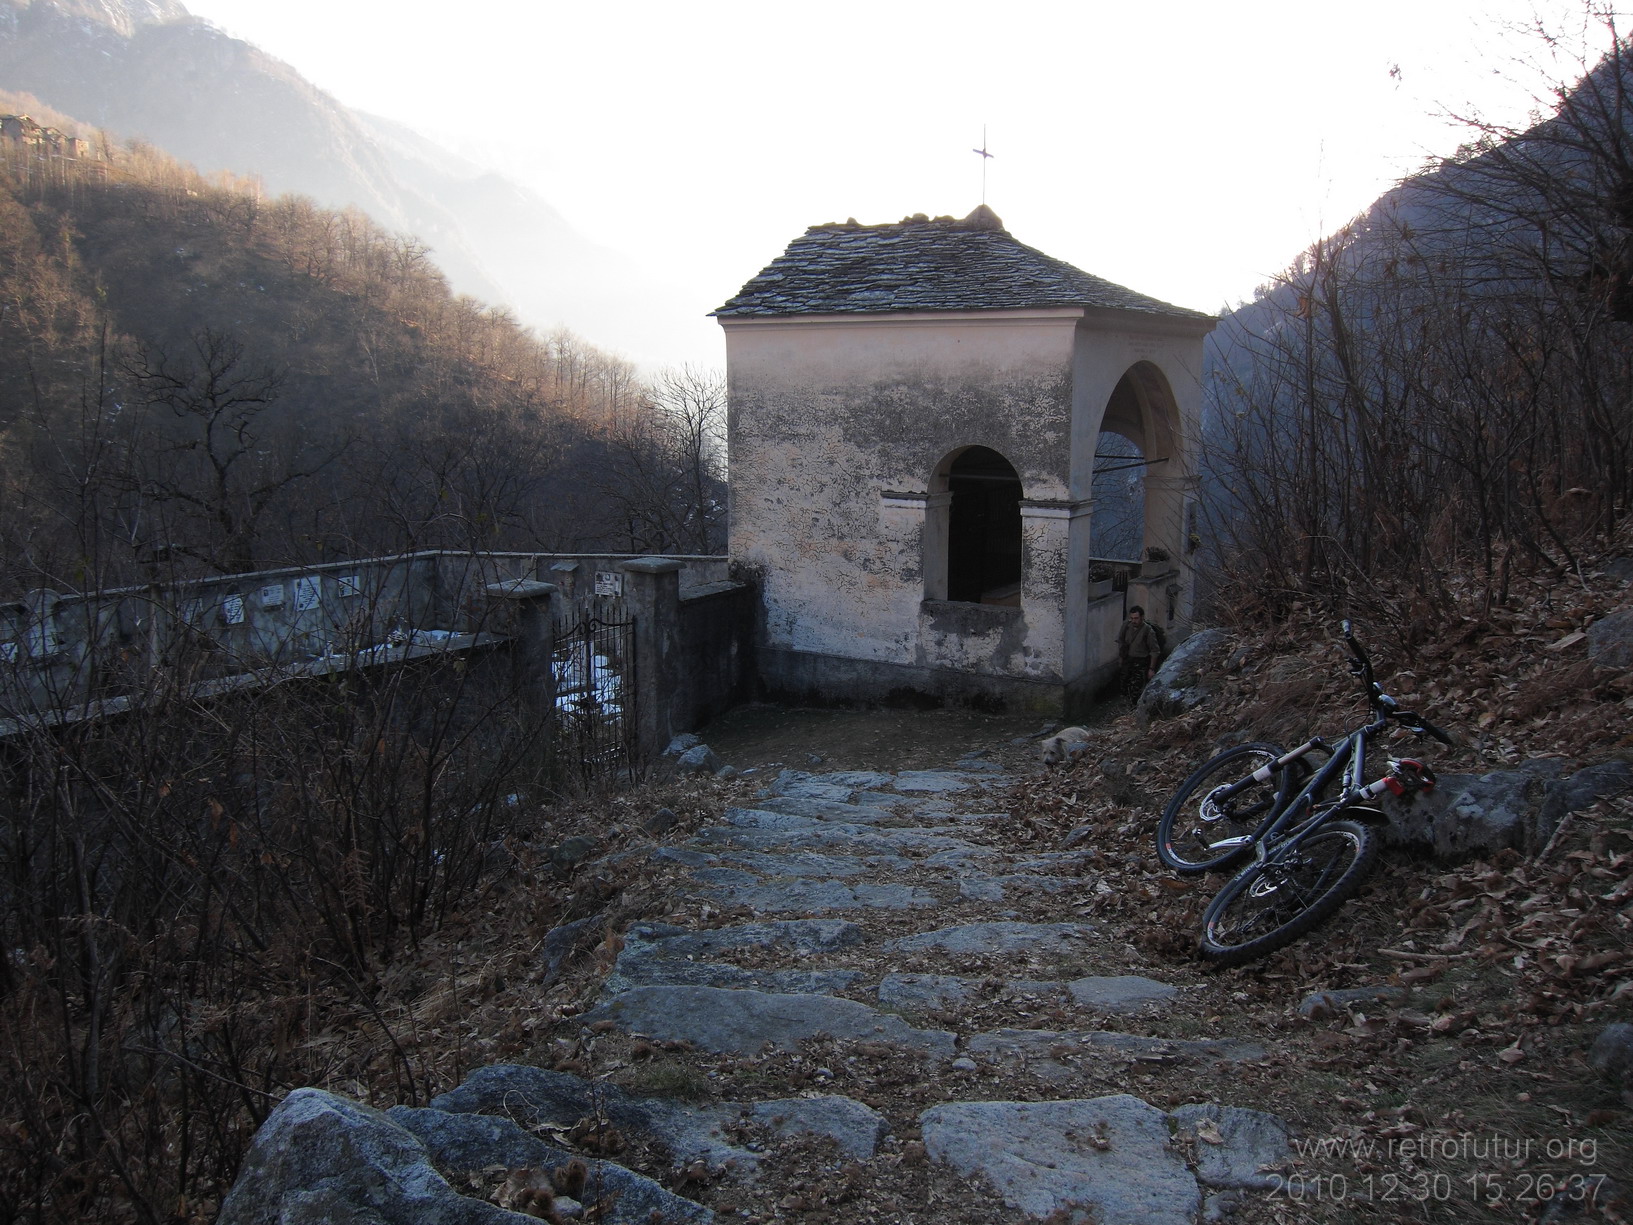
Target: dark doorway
point(984, 529)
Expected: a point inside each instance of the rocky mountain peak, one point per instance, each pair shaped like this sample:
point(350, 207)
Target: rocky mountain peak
point(122, 16)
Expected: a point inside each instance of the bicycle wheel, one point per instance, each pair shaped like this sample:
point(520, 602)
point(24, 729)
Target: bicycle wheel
point(1274, 902)
point(1200, 829)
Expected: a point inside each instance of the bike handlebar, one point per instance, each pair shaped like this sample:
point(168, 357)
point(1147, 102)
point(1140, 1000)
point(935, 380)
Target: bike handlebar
point(1385, 705)
point(1415, 722)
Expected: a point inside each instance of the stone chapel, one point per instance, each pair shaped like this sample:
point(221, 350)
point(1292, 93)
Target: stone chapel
point(915, 411)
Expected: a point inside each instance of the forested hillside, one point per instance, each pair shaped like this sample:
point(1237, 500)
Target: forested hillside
point(150, 70)
point(1446, 382)
point(196, 378)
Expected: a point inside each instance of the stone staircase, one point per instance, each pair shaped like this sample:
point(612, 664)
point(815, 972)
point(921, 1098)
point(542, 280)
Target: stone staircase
point(869, 996)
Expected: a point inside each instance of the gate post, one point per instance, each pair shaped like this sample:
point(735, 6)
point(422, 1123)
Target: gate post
point(652, 595)
point(531, 623)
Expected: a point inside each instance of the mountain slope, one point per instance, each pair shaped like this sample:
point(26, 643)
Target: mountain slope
point(147, 69)
point(1446, 376)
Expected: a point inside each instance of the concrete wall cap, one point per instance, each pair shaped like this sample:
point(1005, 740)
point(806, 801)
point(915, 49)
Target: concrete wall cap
point(521, 589)
point(653, 565)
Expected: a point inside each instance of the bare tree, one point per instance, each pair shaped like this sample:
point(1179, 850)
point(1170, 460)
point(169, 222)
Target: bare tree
point(667, 473)
point(1554, 203)
point(1449, 376)
point(206, 459)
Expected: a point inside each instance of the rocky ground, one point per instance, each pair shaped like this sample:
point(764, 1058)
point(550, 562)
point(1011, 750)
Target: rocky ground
point(894, 970)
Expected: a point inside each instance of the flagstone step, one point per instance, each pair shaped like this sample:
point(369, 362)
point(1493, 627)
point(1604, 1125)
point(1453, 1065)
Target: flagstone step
point(799, 895)
point(747, 1022)
point(542, 1101)
point(797, 833)
point(892, 849)
point(1122, 993)
point(1115, 1160)
point(1004, 936)
point(1050, 1053)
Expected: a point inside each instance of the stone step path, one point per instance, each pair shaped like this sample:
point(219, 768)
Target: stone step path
point(883, 916)
point(839, 849)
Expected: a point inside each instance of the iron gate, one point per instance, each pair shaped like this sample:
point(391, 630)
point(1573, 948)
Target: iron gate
point(594, 671)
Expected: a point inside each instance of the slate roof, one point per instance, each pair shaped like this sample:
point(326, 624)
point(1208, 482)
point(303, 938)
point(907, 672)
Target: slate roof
point(920, 264)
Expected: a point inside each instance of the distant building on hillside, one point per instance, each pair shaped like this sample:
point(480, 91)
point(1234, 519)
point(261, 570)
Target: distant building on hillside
point(19, 129)
point(915, 411)
point(49, 142)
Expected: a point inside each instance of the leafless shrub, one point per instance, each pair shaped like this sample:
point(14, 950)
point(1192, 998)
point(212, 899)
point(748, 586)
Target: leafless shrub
point(196, 895)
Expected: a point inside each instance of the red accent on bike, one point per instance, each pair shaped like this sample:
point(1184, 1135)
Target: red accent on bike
point(1410, 776)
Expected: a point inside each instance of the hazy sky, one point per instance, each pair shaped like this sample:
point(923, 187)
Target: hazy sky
point(1186, 149)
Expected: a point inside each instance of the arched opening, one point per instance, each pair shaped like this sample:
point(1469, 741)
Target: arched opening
point(1118, 521)
point(1138, 487)
point(1134, 473)
point(983, 529)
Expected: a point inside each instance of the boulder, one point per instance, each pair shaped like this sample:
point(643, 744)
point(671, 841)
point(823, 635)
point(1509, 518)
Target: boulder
point(1105, 1159)
point(1119, 992)
point(1326, 1005)
point(699, 759)
point(468, 1143)
point(320, 1159)
point(660, 822)
point(932, 781)
point(1610, 640)
point(1612, 1057)
point(806, 896)
point(1048, 1051)
point(1468, 814)
point(798, 784)
point(924, 992)
point(568, 854)
point(1180, 684)
point(943, 992)
point(560, 942)
point(656, 954)
point(1574, 792)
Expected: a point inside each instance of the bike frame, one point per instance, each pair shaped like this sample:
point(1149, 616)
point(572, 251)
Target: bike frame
point(1299, 813)
point(1283, 891)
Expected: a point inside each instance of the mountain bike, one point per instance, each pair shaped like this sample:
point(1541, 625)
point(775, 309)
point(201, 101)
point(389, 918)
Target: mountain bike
point(1306, 833)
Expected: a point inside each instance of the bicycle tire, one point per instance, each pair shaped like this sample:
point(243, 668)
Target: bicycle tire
point(1193, 822)
point(1273, 902)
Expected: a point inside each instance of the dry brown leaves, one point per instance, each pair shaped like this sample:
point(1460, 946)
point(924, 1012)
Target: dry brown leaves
point(1508, 965)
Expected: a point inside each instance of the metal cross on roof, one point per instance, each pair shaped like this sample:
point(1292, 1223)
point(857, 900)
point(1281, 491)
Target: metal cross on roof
point(985, 158)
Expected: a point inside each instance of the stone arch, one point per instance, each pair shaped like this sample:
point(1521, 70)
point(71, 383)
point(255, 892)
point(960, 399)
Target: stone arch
point(1142, 409)
point(974, 546)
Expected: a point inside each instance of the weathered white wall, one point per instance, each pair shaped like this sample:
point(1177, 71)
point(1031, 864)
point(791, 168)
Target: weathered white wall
point(837, 427)
point(828, 417)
